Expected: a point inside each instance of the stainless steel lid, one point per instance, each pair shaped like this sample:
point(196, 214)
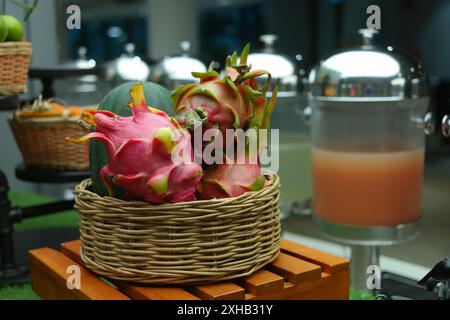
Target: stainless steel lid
point(128, 67)
point(82, 83)
point(280, 66)
point(174, 70)
point(368, 72)
point(82, 62)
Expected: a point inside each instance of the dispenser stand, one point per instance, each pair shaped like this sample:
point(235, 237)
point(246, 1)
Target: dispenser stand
point(365, 243)
point(362, 257)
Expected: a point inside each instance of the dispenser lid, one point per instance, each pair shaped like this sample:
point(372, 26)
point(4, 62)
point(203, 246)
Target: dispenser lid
point(368, 73)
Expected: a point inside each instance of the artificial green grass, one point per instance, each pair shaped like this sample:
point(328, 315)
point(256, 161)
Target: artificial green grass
point(358, 295)
point(61, 219)
point(18, 292)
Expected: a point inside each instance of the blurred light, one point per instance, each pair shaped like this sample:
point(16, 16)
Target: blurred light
point(91, 63)
point(299, 57)
point(390, 48)
point(181, 68)
point(224, 3)
point(363, 64)
point(278, 66)
point(132, 69)
point(114, 32)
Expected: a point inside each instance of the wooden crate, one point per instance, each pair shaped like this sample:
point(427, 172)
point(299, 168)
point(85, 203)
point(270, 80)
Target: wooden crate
point(298, 273)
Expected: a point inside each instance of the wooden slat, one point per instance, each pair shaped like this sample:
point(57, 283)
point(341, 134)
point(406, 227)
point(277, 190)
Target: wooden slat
point(262, 281)
point(294, 269)
point(328, 262)
point(334, 287)
point(72, 250)
point(249, 296)
point(327, 287)
point(137, 292)
point(154, 293)
point(49, 279)
point(220, 291)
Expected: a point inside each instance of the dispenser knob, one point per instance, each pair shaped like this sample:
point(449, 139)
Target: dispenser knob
point(427, 123)
point(82, 51)
point(367, 35)
point(129, 49)
point(445, 128)
point(268, 40)
point(185, 46)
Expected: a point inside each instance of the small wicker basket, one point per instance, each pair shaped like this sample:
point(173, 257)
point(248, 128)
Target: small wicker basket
point(190, 242)
point(14, 62)
point(42, 142)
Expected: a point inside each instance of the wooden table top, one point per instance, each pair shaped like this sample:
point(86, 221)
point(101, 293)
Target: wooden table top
point(299, 272)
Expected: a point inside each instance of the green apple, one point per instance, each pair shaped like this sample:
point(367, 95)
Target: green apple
point(3, 30)
point(15, 28)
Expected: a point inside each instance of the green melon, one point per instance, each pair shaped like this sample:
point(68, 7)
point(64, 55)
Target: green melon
point(116, 101)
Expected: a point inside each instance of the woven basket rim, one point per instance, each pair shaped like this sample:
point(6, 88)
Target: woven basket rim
point(20, 48)
point(43, 120)
point(82, 191)
point(15, 118)
point(13, 44)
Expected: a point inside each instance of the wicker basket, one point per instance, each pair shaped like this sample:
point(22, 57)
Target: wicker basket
point(190, 242)
point(14, 62)
point(42, 142)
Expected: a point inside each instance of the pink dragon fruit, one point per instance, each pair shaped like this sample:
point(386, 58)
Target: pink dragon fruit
point(230, 180)
point(140, 150)
point(233, 177)
point(233, 102)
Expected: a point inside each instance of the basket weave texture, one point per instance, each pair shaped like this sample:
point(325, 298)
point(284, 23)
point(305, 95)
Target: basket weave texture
point(42, 143)
point(14, 65)
point(190, 242)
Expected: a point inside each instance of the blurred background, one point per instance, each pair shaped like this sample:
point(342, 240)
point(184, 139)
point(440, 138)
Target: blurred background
point(208, 30)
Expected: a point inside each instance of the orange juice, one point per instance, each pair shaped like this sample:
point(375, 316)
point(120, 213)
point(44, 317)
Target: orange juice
point(367, 188)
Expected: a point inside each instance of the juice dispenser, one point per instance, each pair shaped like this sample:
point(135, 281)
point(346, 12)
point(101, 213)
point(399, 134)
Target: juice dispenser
point(368, 120)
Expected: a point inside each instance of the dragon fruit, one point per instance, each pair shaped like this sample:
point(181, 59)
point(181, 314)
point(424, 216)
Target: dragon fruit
point(229, 103)
point(233, 102)
point(140, 150)
point(230, 180)
point(234, 177)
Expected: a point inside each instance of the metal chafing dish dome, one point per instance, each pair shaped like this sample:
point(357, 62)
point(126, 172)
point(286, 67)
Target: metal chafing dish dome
point(82, 62)
point(175, 70)
point(368, 72)
point(280, 66)
point(127, 67)
point(83, 83)
point(294, 142)
point(82, 80)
